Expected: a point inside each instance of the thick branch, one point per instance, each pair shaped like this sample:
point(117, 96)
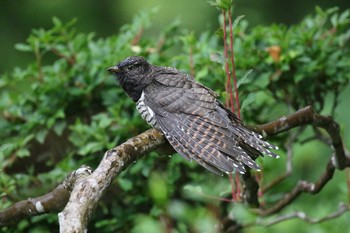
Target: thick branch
point(53, 201)
point(85, 195)
point(35, 206)
point(306, 116)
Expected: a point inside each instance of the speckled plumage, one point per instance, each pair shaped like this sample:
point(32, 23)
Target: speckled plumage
point(194, 122)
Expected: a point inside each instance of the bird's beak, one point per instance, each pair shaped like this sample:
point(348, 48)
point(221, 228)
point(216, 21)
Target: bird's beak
point(114, 69)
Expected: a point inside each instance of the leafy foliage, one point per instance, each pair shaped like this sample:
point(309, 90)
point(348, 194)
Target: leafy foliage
point(64, 109)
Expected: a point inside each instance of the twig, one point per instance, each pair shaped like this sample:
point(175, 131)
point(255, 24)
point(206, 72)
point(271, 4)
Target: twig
point(191, 61)
point(289, 166)
point(236, 188)
point(229, 101)
point(347, 176)
point(137, 37)
point(70, 59)
point(343, 208)
point(302, 186)
point(250, 189)
point(232, 58)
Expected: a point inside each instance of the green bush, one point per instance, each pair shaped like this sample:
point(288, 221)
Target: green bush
point(64, 110)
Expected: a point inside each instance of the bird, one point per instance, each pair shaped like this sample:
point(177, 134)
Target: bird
point(195, 123)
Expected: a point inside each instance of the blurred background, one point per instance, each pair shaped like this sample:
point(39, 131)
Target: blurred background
point(105, 17)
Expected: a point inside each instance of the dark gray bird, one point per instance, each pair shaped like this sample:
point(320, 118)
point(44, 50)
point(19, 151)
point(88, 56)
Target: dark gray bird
point(194, 122)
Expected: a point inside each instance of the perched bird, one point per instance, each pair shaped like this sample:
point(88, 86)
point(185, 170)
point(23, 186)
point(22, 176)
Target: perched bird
point(194, 122)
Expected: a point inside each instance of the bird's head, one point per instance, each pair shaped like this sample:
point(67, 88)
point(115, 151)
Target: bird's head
point(131, 73)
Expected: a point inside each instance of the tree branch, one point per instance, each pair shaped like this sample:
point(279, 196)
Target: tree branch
point(85, 195)
point(343, 208)
point(307, 116)
point(338, 161)
point(53, 201)
point(302, 186)
point(289, 166)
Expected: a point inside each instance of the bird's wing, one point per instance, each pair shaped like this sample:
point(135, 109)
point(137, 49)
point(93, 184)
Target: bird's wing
point(197, 125)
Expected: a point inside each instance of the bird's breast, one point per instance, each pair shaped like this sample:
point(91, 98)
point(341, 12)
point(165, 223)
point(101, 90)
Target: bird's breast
point(146, 112)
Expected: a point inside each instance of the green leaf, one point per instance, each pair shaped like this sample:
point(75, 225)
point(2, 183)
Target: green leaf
point(244, 79)
point(263, 80)
point(23, 153)
point(56, 22)
point(222, 4)
point(202, 73)
point(23, 47)
point(41, 135)
point(298, 78)
point(237, 20)
point(26, 139)
point(193, 188)
point(91, 147)
point(249, 100)
point(125, 184)
point(158, 188)
point(59, 127)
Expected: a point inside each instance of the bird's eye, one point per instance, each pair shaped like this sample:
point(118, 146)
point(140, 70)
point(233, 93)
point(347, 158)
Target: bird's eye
point(133, 66)
point(130, 67)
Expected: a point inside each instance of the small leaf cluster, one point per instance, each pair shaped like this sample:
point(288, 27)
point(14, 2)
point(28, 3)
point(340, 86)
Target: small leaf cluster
point(300, 64)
